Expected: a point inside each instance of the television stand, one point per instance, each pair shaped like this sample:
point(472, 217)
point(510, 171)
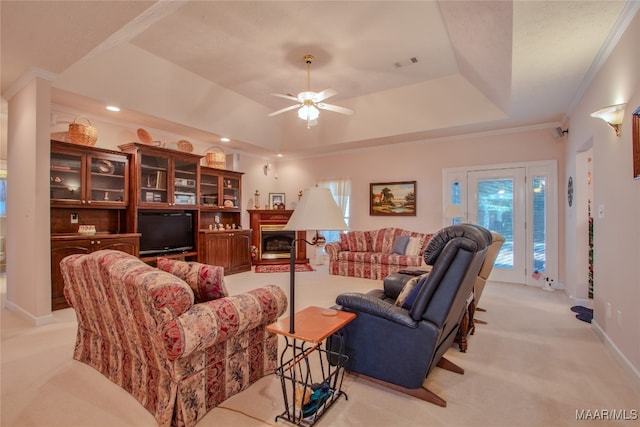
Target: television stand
point(184, 256)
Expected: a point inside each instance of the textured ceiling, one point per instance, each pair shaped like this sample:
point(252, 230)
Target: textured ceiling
point(207, 68)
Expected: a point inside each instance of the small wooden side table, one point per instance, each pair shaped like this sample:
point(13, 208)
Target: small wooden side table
point(311, 387)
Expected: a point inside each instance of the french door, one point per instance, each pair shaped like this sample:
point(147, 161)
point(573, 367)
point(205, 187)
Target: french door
point(497, 202)
point(518, 201)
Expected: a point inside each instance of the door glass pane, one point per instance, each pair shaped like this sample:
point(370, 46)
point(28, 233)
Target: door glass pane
point(107, 180)
point(455, 200)
point(184, 183)
point(66, 176)
point(153, 179)
point(539, 224)
point(495, 212)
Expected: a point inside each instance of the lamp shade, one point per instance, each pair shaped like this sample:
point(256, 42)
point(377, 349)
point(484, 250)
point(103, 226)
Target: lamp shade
point(453, 211)
point(612, 115)
point(317, 210)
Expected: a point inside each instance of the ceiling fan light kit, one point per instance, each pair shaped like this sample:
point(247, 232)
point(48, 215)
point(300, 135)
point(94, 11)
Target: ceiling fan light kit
point(310, 103)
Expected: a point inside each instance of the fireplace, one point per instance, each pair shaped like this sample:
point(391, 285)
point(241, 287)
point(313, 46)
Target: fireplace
point(275, 242)
point(271, 240)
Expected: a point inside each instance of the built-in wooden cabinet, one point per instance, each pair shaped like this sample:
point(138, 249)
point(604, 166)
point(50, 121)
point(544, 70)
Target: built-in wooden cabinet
point(220, 198)
point(65, 245)
point(229, 249)
point(163, 178)
point(111, 190)
point(83, 177)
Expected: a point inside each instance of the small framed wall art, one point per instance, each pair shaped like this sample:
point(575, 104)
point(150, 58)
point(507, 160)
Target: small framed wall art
point(392, 198)
point(276, 200)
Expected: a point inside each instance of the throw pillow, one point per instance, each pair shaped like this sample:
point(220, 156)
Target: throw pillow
point(206, 281)
point(400, 245)
point(406, 290)
point(413, 246)
point(411, 298)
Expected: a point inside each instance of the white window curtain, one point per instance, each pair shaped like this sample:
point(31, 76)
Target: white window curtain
point(341, 190)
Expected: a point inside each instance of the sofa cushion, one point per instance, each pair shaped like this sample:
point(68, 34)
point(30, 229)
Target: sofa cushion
point(344, 242)
point(359, 241)
point(398, 260)
point(400, 245)
point(206, 281)
point(349, 256)
point(382, 239)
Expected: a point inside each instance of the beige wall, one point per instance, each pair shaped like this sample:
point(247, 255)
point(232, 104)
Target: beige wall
point(422, 162)
point(617, 252)
point(617, 235)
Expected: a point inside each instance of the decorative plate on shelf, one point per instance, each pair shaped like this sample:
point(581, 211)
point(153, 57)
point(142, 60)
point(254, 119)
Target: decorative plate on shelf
point(186, 146)
point(105, 166)
point(144, 137)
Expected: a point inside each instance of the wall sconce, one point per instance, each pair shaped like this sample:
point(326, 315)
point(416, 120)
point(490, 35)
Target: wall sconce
point(612, 115)
point(266, 169)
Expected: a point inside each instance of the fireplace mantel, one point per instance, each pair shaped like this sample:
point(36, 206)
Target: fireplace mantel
point(259, 217)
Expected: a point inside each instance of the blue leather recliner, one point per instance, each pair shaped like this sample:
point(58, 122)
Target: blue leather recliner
point(398, 347)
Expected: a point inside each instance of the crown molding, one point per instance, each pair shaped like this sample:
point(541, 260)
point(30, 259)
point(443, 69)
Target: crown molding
point(26, 78)
point(629, 11)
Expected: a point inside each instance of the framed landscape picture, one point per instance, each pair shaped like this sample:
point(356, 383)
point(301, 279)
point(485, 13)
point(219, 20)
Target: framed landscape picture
point(392, 198)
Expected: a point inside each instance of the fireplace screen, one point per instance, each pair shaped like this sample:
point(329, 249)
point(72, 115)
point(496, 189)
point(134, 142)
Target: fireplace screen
point(275, 242)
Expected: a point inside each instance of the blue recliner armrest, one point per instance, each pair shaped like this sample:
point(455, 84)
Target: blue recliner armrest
point(369, 304)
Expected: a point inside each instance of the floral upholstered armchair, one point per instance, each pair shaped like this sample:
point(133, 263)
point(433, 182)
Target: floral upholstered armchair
point(173, 339)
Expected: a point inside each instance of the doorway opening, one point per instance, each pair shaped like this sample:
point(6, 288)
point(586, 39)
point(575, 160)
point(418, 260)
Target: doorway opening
point(517, 201)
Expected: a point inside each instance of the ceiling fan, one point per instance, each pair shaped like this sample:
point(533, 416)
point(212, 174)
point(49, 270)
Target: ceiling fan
point(309, 102)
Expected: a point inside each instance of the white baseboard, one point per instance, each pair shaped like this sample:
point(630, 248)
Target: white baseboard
point(35, 321)
point(622, 360)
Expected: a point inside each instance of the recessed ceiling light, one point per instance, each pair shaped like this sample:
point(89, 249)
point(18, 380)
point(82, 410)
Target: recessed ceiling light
point(279, 155)
point(225, 139)
point(112, 108)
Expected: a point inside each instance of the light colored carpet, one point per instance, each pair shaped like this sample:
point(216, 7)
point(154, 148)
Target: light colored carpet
point(533, 364)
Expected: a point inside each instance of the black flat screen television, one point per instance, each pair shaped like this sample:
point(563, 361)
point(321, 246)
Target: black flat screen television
point(165, 232)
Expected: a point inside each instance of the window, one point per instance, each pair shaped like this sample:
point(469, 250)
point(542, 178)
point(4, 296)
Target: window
point(3, 193)
point(341, 191)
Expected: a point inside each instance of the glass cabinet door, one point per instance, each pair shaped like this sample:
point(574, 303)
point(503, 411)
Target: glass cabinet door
point(184, 184)
point(231, 192)
point(66, 177)
point(153, 179)
point(209, 190)
point(107, 182)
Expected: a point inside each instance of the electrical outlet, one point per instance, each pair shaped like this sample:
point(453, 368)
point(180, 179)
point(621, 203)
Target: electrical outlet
point(607, 310)
point(619, 318)
point(601, 211)
point(74, 218)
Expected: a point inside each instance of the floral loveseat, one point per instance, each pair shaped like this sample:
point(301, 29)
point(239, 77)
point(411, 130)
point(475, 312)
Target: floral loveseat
point(173, 339)
point(376, 254)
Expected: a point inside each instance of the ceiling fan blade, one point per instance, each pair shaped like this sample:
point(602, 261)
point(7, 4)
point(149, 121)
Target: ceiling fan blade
point(275, 113)
point(327, 93)
point(335, 108)
point(279, 95)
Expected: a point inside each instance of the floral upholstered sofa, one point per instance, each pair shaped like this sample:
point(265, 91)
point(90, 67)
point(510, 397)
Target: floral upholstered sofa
point(376, 254)
point(173, 339)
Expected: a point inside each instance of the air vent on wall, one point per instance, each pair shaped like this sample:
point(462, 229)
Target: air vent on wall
point(400, 64)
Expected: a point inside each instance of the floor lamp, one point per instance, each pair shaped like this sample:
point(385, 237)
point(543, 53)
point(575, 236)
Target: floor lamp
point(316, 210)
